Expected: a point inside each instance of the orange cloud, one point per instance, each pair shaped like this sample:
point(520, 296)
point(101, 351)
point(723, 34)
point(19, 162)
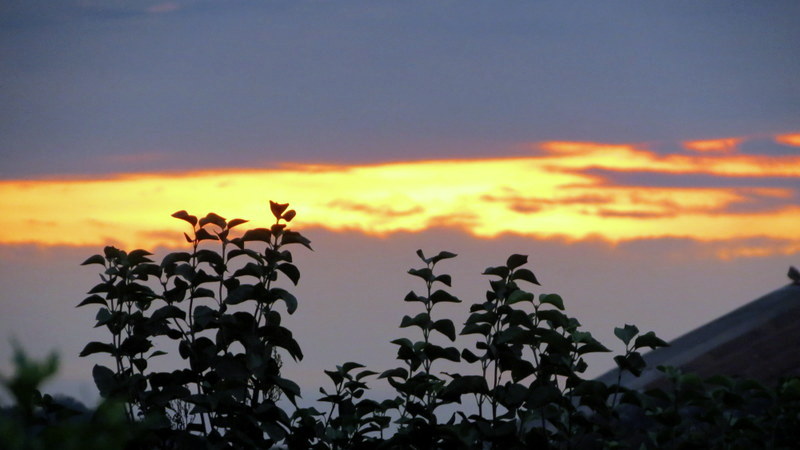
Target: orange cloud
point(551, 194)
point(792, 139)
point(727, 145)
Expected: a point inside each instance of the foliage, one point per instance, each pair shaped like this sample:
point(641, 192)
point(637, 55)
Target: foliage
point(220, 305)
point(38, 421)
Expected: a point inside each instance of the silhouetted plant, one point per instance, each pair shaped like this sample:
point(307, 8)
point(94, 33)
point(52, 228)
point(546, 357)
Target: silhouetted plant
point(225, 323)
point(218, 305)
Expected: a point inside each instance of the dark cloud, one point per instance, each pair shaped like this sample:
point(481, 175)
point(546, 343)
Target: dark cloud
point(218, 83)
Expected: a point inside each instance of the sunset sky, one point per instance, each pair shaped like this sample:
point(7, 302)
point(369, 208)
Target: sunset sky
point(645, 155)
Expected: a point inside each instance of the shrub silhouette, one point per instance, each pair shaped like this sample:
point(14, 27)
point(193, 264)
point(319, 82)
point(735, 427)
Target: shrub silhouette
point(220, 306)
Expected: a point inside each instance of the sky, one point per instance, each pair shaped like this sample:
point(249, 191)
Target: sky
point(645, 155)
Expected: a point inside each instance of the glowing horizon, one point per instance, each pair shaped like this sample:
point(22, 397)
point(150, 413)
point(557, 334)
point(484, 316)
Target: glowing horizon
point(568, 190)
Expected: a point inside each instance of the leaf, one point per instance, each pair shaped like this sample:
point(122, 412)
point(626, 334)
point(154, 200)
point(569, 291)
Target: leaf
point(445, 279)
point(203, 315)
point(236, 222)
point(552, 299)
point(441, 256)
point(468, 356)
point(348, 366)
point(174, 258)
point(421, 320)
point(794, 274)
point(93, 299)
point(514, 335)
point(412, 297)
point(213, 218)
point(167, 312)
point(203, 235)
point(289, 299)
point(293, 237)
point(627, 333)
point(289, 388)
point(519, 296)
point(434, 352)
point(525, 275)
point(94, 259)
point(446, 327)
point(277, 208)
point(257, 234)
point(477, 328)
point(501, 271)
point(443, 296)
point(461, 385)
point(422, 256)
point(183, 215)
point(289, 215)
point(425, 273)
point(556, 317)
point(97, 347)
point(395, 373)
point(649, 339)
point(515, 261)
point(291, 271)
point(104, 380)
point(240, 294)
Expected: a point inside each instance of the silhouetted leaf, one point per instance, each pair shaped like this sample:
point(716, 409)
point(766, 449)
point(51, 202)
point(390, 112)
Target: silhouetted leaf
point(501, 271)
point(441, 256)
point(291, 271)
point(213, 218)
point(424, 273)
point(394, 373)
point(203, 316)
point(444, 278)
point(293, 237)
point(183, 215)
point(421, 320)
point(289, 215)
point(515, 261)
point(97, 347)
point(446, 327)
point(257, 234)
point(461, 385)
point(94, 259)
point(277, 208)
point(468, 356)
point(203, 235)
point(627, 333)
point(236, 222)
point(104, 380)
point(477, 328)
point(552, 299)
point(525, 275)
point(794, 274)
point(93, 299)
point(412, 297)
point(288, 298)
point(443, 296)
point(649, 339)
point(167, 312)
point(519, 296)
point(240, 294)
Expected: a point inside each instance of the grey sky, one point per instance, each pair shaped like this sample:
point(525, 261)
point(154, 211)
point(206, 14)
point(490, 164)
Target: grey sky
point(92, 87)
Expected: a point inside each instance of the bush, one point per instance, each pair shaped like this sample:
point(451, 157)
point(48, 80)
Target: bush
point(221, 304)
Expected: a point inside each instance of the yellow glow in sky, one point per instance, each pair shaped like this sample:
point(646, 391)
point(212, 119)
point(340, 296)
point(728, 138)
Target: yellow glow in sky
point(566, 189)
point(713, 145)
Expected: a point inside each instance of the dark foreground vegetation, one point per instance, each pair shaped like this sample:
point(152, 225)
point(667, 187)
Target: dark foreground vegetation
point(220, 306)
